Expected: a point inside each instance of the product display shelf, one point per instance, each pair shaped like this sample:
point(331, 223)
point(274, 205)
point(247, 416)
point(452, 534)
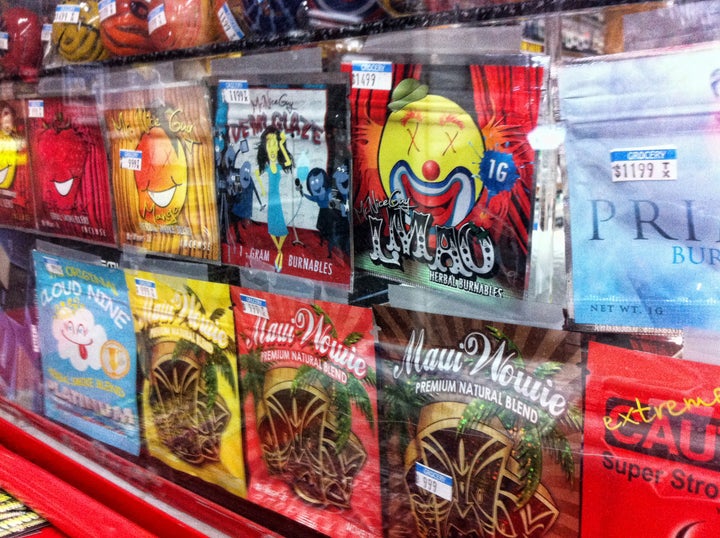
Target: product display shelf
point(81, 486)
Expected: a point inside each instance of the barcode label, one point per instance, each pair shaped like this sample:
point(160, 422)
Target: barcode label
point(235, 92)
point(145, 288)
point(130, 159)
point(254, 306)
point(67, 14)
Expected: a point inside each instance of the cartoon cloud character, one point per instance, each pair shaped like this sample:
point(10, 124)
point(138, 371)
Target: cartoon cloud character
point(79, 339)
point(428, 149)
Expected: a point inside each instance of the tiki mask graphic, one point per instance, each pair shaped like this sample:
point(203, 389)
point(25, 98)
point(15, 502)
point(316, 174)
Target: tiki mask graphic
point(299, 439)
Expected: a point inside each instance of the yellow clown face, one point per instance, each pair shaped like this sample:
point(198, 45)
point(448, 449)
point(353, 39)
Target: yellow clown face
point(428, 151)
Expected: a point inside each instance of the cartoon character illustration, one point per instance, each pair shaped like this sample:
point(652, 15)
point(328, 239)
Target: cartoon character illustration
point(318, 185)
point(339, 201)
point(163, 180)
point(9, 146)
point(426, 150)
point(62, 154)
point(241, 181)
point(79, 339)
point(273, 158)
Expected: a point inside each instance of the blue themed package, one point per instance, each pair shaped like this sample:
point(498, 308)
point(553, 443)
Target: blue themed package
point(87, 342)
point(643, 168)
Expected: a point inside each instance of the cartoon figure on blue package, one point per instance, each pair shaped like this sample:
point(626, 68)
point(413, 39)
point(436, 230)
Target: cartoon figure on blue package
point(87, 343)
point(279, 149)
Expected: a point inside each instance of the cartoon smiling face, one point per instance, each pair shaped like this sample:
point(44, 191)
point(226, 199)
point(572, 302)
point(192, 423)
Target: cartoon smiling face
point(162, 181)
point(79, 338)
point(62, 158)
point(428, 149)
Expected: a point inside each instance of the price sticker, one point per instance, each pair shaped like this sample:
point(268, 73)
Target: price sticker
point(433, 481)
point(228, 23)
point(644, 164)
point(235, 92)
point(145, 288)
point(46, 32)
point(372, 75)
point(156, 18)
point(4, 40)
point(131, 159)
point(254, 306)
point(107, 8)
point(67, 14)
point(36, 108)
point(53, 266)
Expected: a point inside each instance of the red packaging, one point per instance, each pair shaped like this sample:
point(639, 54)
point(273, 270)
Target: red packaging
point(24, 51)
point(308, 378)
point(70, 171)
point(651, 456)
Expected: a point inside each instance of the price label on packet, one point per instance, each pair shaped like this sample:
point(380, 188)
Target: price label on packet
point(372, 75)
point(107, 8)
point(67, 14)
point(433, 481)
point(4, 40)
point(156, 18)
point(254, 306)
point(131, 160)
point(36, 108)
point(235, 92)
point(145, 288)
point(644, 164)
point(228, 23)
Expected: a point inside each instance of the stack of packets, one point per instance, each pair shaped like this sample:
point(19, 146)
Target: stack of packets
point(69, 167)
point(481, 429)
point(18, 519)
point(161, 160)
point(282, 163)
point(87, 341)
point(308, 375)
point(444, 174)
point(190, 394)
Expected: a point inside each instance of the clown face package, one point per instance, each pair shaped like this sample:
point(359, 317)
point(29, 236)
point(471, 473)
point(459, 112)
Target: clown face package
point(308, 377)
point(282, 160)
point(643, 174)
point(480, 429)
point(161, 156)
point(70, 169)
point(444, 174)
point(652, 463)
point(87, 342)
point(17, 204)
point(190, 400)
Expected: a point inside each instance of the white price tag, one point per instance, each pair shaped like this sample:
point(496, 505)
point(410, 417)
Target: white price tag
point(4, 40)
point(433, 481)
point(130, 159)
point(107, 9)
point(372, 75)
point(36, 108)
point(235, 92)
point(145, 288)
point(67, 14)
point(254, 306)
point(229, 25)
point(156, 18)
point(644, 164)
point(53, 266)
point(46, 33)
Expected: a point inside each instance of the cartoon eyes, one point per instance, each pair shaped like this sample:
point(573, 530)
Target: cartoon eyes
point(81, 330)
point(70, 328)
